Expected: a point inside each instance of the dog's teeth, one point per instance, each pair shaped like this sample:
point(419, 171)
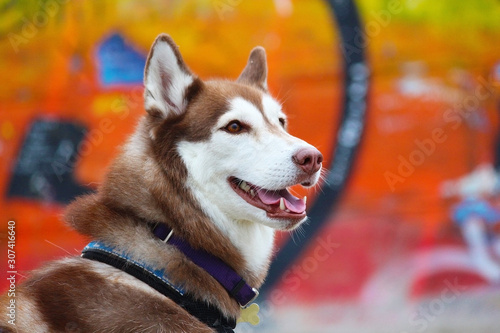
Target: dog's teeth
point(304, 199)
point(252, 192)
point(282, 204)
point(244, 186)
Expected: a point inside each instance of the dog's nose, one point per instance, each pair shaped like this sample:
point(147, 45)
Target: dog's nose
point(308, 159)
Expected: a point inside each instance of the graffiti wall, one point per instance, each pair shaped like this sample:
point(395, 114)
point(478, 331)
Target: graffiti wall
point(401, 97)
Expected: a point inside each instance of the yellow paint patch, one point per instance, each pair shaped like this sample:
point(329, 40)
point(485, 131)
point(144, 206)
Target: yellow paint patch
point(110, 104)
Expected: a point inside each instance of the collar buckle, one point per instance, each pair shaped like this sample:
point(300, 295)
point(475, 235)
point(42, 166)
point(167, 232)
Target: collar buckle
point(256, 292)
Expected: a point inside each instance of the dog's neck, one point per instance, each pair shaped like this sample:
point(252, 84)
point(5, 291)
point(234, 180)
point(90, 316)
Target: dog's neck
point(252, 240)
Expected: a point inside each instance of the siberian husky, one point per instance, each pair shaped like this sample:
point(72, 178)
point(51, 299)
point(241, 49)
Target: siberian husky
point(182, 226)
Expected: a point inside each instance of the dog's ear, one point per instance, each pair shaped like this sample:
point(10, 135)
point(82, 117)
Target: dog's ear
point(169, 84)
point(255, 72)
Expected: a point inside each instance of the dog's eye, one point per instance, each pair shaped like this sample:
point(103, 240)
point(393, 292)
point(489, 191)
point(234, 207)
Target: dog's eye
point(282, 122)
point(234, 127)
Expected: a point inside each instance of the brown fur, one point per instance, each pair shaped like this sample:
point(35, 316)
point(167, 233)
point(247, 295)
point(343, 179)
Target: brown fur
point(76, 298)
point(255, 73)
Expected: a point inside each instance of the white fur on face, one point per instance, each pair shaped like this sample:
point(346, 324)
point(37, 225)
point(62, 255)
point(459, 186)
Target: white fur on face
point(262, 156)
point(165, 81)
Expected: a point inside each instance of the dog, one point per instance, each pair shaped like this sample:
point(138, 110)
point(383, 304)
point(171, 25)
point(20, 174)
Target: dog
point(183, 224)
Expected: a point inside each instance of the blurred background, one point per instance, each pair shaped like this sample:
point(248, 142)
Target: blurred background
point(401, 96)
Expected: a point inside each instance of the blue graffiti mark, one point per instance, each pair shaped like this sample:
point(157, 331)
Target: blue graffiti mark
point(119, 63)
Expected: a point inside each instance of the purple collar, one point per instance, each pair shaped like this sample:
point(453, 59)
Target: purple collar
point(225, 275)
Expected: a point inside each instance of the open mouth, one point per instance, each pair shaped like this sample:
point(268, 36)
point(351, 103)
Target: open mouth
point(277, 203)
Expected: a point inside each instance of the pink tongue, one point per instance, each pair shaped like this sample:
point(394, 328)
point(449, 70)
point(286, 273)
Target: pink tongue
point(292, 203)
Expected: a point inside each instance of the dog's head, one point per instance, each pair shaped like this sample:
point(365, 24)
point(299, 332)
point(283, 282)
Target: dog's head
point(231, 138)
